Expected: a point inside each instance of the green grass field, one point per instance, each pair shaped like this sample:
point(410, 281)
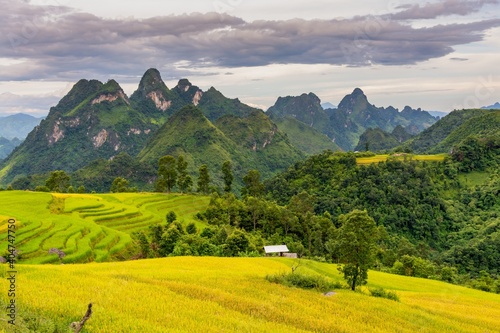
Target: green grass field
point(400, 157)
point(207, 294)
point(87, 227)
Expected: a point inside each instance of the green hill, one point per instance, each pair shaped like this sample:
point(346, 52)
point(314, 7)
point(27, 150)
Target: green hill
point(215, 105)
point(482, 126)
point(376, 139)
point(253, 142)
point(428, 140)
point(305, 108)
point(190, 133)
point(304, 137)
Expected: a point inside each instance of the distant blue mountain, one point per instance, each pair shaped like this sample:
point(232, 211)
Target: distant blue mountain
point(495, 106)
point(439, 114)
point(17, 125)
point(328, 105)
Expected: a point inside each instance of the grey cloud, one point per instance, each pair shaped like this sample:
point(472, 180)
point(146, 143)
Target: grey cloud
point(35, 105)
point(71, 45)
point(442, 8)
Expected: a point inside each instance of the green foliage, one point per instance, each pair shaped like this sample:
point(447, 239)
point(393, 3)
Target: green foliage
point(381, 292)
point(317, 282)
point(120, 185)
point(227, 176)
point(306, 138)
point(42, 189)
point(171, 217)
point(167, 173)
point(354, 244)
point(376, 139)
point(253, 186)
point(476, 154)
point(435, 138)
point(237, 243)
point(203, 179)
point(184, 181)
point(58, 181)
point(191, 228)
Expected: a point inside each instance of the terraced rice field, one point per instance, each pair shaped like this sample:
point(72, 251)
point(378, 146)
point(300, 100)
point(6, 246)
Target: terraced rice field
point(203, 294)
point(87, 227)
point(400, 157)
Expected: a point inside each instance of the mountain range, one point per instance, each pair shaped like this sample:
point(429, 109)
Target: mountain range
point(354, 115)
point(495, 106)
point(97, 121)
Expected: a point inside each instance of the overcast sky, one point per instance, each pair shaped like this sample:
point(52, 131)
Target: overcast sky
point(436, 55)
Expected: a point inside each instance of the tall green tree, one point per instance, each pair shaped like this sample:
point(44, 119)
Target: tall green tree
point(183, 179)
point(253, 186)
point(203, 179)
point(167, 173)
point(58, 181)
point(119, 185)
point(227, 175)
point(355, 245)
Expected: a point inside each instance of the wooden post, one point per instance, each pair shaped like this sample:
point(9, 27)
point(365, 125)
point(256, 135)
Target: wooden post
point(77, 326)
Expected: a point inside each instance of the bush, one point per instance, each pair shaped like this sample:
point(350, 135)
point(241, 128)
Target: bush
point(381, 292)
point(303, 281)
point(42, 189)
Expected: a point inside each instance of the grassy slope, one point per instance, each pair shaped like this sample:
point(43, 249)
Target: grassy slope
point(87, 227)
point(187, 294)
point(486, 125)
point(304, 137)
point(431, 137)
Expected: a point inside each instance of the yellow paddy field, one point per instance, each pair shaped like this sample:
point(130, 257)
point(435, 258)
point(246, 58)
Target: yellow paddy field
point(400, 157)
point(207, 294)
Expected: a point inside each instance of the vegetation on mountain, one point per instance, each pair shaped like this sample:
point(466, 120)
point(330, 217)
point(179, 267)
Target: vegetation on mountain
point(434, 135)
point(307, 139)
point(345, 124)
point(7, 146)
point(305, 108)
point(215, 105)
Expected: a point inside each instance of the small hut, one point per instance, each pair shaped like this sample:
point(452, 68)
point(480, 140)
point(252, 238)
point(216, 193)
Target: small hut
point(271, 249)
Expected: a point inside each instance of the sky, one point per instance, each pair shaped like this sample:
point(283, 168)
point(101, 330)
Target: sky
point(438, 55)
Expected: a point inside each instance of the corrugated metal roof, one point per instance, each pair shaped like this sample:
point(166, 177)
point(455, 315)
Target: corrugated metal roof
point(276, 248)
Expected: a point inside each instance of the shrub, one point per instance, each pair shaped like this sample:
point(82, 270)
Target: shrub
point(303, 281)
point(42, 189)
point(381, 292)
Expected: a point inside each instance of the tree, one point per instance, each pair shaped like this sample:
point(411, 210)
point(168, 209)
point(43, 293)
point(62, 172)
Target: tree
point(253, 187)
point(171, 217)
point(227, 175)
point(191, 228)
point(203, 179)
point(58, 181)
point(167, 173)
point(237, 243)
point(355, 245)
point(184, 181)
point(119, 185)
